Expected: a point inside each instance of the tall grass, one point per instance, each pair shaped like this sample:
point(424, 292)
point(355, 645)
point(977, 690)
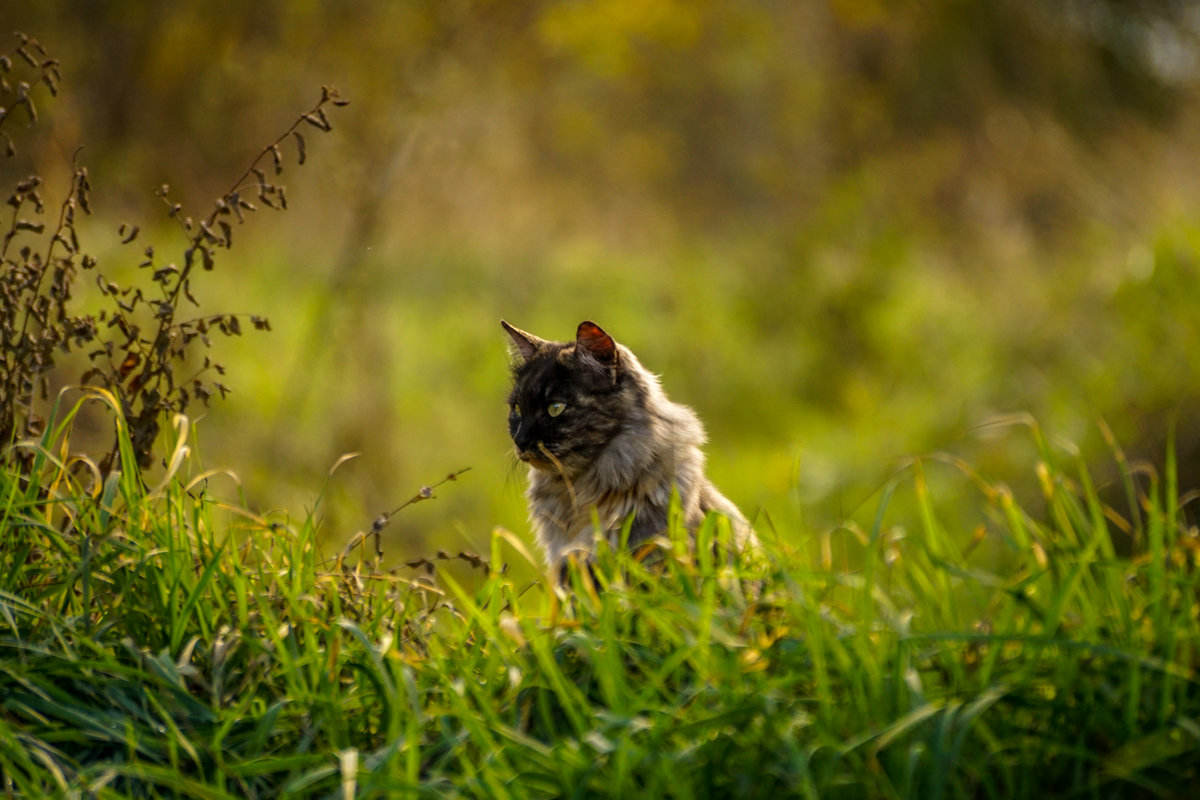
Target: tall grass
point(157, 642)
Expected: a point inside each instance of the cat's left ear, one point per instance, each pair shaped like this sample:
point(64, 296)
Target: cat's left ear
point(527, 344)
point(593, 342)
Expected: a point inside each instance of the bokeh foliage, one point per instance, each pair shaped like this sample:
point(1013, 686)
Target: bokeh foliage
point(844, 231)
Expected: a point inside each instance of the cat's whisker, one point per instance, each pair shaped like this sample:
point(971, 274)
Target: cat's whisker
point(514, 464)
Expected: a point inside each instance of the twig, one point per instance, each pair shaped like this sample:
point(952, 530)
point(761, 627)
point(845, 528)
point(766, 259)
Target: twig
point(382, 521)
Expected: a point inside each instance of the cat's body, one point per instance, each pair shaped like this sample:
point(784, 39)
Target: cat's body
point(601, 438)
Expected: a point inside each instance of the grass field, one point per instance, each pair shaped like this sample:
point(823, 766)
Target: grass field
point(156, 641)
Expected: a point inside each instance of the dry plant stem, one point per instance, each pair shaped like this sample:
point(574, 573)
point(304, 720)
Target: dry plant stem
point(34, 309)
point(48, 76)
point(79, 186)
point(171, 337)
point(28, 186)
point(133, 354)
point(231, 199)
point(425, 493)
point(328, 95)
point(562, 473)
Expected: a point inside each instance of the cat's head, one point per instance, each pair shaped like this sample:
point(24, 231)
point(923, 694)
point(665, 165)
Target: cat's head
point(569, 400)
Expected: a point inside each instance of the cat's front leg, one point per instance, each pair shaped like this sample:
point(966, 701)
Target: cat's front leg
point(647, 523)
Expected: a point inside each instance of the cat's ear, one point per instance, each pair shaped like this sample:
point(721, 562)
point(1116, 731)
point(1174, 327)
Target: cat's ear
point(527, 344)
point(593, 342)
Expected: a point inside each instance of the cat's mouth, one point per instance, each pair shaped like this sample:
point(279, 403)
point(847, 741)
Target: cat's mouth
point(535, 459)
point(541, 458)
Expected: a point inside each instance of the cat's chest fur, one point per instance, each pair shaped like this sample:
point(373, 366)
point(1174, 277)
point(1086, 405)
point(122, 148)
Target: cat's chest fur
point(635, 477)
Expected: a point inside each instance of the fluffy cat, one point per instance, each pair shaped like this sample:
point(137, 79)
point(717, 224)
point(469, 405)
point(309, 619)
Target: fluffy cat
point(600, 437)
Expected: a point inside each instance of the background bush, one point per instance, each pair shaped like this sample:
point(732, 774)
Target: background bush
point(843, 231)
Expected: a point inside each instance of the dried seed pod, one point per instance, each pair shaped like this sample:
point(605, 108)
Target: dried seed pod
point(301, 150)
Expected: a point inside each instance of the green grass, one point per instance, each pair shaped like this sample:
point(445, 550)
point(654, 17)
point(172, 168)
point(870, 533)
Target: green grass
point(157, 642)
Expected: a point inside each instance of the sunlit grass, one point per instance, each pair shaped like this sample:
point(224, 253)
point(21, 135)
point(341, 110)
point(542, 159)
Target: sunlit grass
point(156, 642)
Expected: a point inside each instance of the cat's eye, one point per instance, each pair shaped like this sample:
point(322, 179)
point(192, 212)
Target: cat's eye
point(516, 410)
point(554, 409)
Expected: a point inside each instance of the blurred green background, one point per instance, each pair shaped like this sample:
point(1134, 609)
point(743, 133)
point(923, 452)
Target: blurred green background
point(844, 232)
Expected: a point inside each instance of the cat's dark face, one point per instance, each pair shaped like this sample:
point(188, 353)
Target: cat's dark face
point(568, 400)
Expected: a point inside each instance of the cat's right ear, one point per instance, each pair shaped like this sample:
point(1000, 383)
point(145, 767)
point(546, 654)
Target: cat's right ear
point(526, 343)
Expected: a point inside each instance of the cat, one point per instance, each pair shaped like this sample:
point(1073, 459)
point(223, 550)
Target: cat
point(601, 438)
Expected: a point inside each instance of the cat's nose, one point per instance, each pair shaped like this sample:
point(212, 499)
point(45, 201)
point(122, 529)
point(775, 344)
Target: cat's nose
point(525, 438)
